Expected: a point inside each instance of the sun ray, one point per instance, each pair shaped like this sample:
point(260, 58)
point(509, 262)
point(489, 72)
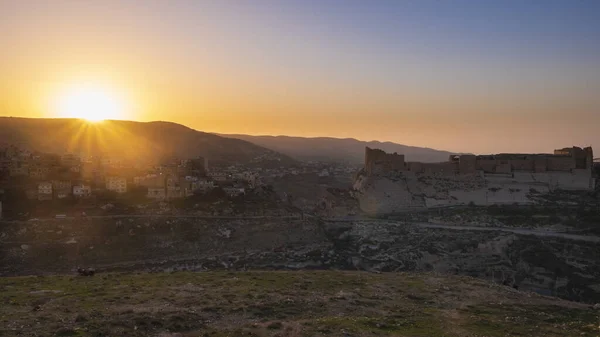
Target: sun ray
point(75, 140)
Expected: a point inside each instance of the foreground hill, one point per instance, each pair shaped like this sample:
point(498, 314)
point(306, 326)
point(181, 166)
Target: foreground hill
point(340, 150)
point(145, 141)
point(307, 303)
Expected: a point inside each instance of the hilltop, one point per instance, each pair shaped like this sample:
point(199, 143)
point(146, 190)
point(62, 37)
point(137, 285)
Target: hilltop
point(145, 141)
point(339, 149)
point(310, 303)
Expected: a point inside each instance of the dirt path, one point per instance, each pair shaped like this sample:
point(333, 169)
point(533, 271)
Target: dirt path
point(522, 231)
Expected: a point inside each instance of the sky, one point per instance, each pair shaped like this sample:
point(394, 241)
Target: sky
point(483, 76)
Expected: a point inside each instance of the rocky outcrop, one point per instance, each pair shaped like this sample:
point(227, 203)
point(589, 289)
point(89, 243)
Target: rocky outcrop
point(548, 265)
point(552, 265)
point(381, 194)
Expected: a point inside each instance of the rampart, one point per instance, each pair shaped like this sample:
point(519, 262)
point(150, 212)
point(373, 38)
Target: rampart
point(572, 159)
point(379, 162)
point(482, 180)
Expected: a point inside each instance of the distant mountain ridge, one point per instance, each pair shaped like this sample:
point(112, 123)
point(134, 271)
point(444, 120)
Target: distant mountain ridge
point(137, 140)
point(339, 149)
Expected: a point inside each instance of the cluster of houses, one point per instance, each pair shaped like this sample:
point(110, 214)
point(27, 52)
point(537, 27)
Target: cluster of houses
point(52, 176)
point(43, 176)
point(321, 169)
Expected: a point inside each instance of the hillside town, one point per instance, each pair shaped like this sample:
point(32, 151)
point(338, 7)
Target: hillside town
point(43, 178)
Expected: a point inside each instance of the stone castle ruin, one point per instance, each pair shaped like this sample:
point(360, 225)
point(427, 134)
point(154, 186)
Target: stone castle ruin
point(571, 160)
point(389, 183)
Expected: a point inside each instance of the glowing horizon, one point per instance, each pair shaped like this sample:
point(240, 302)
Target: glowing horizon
point(460, 76)
point(92, 103)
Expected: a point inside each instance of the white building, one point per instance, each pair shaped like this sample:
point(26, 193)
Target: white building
point(203, 185)
point(45, 190)
point(158, 193)
point(70, 160)
point(138, 180)
point(45, 187)
point(117, 184)
point(82, 191)
point(247, 176)
point(61, 194)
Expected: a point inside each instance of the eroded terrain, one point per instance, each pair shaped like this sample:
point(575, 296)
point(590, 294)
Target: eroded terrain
point(551, 258)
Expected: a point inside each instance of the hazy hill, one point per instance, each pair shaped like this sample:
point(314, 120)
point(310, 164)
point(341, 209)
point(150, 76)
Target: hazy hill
point(339, 149)
point(146, 141)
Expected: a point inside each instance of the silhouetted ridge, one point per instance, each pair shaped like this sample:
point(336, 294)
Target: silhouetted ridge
point(339, 149)
point(144, 141)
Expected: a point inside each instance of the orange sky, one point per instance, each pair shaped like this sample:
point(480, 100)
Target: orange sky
point(278, 70)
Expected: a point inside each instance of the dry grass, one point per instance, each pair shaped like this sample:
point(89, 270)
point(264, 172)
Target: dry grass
point(306, 303)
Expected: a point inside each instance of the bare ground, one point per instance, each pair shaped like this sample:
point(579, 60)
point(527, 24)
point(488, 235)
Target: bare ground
point(302, 303)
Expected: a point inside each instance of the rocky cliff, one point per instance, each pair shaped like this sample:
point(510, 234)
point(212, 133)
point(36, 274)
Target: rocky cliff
point(380, 194)
point(550, 265)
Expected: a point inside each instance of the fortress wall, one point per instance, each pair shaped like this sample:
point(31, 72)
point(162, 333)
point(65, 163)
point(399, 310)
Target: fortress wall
point(580, 157)
point(467, 164)
point(579, 179)
point(503, 166)
point(449, 168)
point(522, 165)
point(371, 157)
point(416, 167)
point(589, 159)
point(396, 162)
point(560, 163)
point(540, 164)
point(546, 178)
point(486, 165)
point(494, 180)
point(379, 162)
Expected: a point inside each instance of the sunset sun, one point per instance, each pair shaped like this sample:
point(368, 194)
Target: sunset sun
point(90, 103)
